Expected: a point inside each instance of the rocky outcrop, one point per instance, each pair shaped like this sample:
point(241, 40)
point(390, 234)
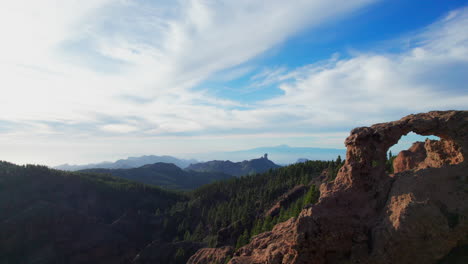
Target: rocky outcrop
point(366, 216)
point(424, 218)
point(275, 247)
point(411, 158)
point(428, 154)
point(211, 255)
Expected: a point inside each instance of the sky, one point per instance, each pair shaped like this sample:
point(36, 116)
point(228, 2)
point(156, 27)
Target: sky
point(92, 80)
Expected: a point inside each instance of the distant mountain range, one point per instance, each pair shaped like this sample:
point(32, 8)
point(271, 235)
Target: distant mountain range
point(235, 168)
point(282, 154)
point(131, 162)
point(301, 160)
point(166, 175)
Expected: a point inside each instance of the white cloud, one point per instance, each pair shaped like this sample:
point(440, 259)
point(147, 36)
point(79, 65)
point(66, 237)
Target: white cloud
point(102, 68)
point(118, 128)
point(75, 60)
point(371, 87)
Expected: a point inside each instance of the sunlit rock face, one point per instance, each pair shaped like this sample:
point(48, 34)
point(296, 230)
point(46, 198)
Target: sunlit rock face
point(211, 255)
point(417, 215)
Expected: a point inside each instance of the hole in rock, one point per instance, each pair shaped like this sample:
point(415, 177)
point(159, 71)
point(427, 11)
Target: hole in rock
point(410, 152)
point(407, 141)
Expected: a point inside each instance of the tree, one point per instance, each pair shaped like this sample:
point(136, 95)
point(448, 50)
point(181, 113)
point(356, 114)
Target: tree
point(267, 224)
point(257, 228)
point(311, 196)
point(243, 239)
point(338, 160)
point(187, 235)
point(389, 162)
point(180, 255)
point(198, 233)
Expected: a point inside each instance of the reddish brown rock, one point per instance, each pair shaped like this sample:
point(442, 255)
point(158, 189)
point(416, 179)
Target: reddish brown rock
point(365, 216)
point(442, 152)
point(211, 255)
point(411, 158)
point(429, 154)
point(424, 217)
point(275, 247)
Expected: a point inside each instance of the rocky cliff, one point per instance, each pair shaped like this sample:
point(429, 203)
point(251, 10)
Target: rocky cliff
point(418, 215)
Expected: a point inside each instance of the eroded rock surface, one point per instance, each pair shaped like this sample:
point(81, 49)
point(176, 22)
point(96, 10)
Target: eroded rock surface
point(428, 154)
point(366, 216)
point(273, 247)
point(411, 158)
point(211, 255)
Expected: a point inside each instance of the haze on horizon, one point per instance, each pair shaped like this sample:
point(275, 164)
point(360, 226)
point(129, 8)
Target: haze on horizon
point(93, 80)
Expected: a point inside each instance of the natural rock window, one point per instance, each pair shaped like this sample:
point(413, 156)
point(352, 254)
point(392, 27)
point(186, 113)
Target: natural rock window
point(365, 216)
point(431, 152)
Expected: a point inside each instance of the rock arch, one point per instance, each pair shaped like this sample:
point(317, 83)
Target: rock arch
point(365, 216)
point(367, 146)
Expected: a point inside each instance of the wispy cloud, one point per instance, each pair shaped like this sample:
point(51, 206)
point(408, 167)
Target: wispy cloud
point(87, 68)
point(162, 50)
point(372, 87)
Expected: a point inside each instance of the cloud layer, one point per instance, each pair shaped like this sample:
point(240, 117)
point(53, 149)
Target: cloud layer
point(369, 87)
point(99, 72)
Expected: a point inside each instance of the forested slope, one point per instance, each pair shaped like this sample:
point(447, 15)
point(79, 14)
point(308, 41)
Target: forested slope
point(50, 216)
point(245, 167)
point(166, 175)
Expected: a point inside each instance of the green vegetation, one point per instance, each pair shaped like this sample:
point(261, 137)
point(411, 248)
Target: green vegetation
point(266, 224)
point(389, 163)
point(238, 204)
point(245, 167)
point(33, 183)
point(227, 212)
point(40, 206)
point(165, 175)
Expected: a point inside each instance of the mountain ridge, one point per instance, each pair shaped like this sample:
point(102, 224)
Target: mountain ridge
point(166, 175)
point(283, 154)
point(245, 167)
point(128, 163)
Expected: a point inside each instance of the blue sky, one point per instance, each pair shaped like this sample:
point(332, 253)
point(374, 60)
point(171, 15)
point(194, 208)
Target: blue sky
point(92, 80)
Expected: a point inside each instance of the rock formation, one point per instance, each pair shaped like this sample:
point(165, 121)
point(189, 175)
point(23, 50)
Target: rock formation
point(441, 153)
point(410, 158)
point(211, 255)
point(368, 216)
